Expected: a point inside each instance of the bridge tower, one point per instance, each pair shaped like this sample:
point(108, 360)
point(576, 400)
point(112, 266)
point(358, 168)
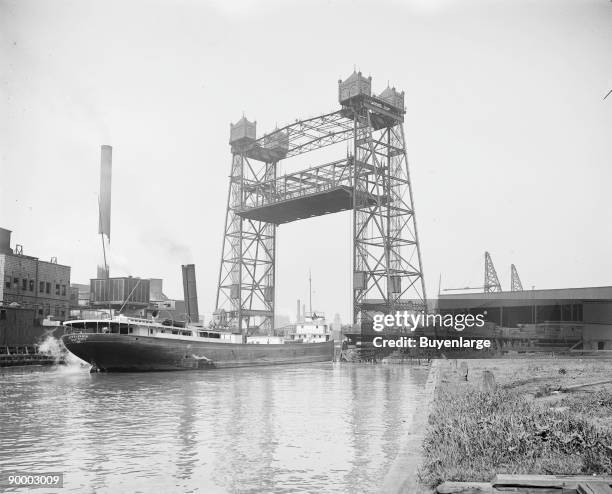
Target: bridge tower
point(373, 181)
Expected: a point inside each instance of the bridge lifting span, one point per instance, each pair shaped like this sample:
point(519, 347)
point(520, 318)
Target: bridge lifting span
point(373, 181)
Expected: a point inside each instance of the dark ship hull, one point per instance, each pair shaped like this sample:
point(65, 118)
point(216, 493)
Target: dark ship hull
point(128, 353)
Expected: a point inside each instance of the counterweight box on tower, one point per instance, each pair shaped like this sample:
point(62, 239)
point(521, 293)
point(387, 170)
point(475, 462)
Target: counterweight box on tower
point(243, 132)
point(393, 97)
point(356, 85)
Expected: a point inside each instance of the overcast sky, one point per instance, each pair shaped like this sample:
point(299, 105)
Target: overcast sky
point(509, 139)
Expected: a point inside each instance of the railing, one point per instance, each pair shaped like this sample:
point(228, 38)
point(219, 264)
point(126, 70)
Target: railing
point(18, 349)
point(302, 183)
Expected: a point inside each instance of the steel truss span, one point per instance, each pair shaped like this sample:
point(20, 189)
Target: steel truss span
point(373, 181)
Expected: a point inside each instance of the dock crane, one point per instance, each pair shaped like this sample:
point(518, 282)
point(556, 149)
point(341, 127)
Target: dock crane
point(515, 281)
point(491, 281)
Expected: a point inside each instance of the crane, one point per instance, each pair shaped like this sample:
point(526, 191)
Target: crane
point(515, 281)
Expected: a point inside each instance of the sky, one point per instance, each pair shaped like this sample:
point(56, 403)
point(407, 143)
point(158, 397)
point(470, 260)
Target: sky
point(508, 134)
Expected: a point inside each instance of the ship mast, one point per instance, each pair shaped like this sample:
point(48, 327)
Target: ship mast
point(310, 288)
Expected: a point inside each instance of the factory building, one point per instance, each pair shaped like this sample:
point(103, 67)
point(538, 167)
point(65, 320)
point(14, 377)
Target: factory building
point(30, 283)
point(127, 295)
point(164, 307)
point(564, 312)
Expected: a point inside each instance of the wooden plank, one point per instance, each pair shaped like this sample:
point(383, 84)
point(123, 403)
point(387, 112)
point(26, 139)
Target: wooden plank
point(594, 488)
point(531, 490)
point(464, 488)
point(555, 481)
point(585, 385)
point(527, 481)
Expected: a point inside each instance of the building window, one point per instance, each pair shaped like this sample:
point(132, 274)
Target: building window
point(7, 282)
point(15, 283)
point(41, 286)
point(63, 290)
point(31, 285)
point(63, 313)
point(24, 284)
point(48, 287)
point(2, 315)
point(57, 289)
point(40, 312)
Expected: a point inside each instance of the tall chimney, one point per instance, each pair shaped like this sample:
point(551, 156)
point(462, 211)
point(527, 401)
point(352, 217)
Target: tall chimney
point(106, 168)
point(190, 293)
point(297, 314)
point(104, 206)
point(5, 241)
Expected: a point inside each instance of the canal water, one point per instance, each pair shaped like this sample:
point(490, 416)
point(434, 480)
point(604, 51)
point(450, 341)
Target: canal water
point(310, 428)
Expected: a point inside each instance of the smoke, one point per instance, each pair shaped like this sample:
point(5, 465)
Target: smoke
point(120, 264)
point(51, 346)
point(54, 347)
point(175, 250)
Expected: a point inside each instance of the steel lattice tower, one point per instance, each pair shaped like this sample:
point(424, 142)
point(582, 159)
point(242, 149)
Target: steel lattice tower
point(515, 281)
point(491, 281)
point(373, 182)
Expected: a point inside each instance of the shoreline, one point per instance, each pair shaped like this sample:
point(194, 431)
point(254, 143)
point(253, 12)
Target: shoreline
point(403, 476)
point(545, 415)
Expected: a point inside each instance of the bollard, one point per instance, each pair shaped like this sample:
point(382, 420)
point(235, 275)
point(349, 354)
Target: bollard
point(463, 370)
point(488, 381)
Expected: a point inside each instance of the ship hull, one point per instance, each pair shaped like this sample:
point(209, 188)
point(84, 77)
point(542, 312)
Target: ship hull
point(127, 353)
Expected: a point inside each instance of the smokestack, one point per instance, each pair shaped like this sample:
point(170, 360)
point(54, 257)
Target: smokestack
point(106, 168)
point(297, 317)
point(190, 292)
point(104, 205)
point(5, 241)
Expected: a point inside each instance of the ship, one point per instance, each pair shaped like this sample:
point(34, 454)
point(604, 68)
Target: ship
point(129, 344)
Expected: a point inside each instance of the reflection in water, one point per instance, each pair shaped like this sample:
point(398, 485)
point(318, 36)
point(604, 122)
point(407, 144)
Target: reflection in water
point(319, 427)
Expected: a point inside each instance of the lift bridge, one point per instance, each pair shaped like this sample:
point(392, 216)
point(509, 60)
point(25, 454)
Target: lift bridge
point(372, 180)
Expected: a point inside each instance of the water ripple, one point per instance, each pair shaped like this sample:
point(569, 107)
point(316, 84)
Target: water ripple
point(319, 427)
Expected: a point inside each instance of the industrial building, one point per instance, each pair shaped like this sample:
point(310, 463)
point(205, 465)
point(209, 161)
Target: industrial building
point(127, 295)
point(582, 312)
point(30, 283)
point(139, 297)
point(163, 306)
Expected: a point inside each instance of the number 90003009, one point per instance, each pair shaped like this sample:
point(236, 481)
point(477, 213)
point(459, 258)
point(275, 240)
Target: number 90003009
point(28, 479)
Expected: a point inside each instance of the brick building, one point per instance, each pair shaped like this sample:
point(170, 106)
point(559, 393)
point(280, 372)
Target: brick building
point(32, 283)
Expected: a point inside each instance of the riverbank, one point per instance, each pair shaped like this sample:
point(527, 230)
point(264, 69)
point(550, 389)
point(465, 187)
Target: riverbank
point(403, 475)
point(535, 419)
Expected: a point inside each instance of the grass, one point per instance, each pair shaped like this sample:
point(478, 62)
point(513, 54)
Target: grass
point(472, 436)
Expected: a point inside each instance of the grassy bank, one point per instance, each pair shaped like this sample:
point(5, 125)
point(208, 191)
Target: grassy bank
point(524, 426)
